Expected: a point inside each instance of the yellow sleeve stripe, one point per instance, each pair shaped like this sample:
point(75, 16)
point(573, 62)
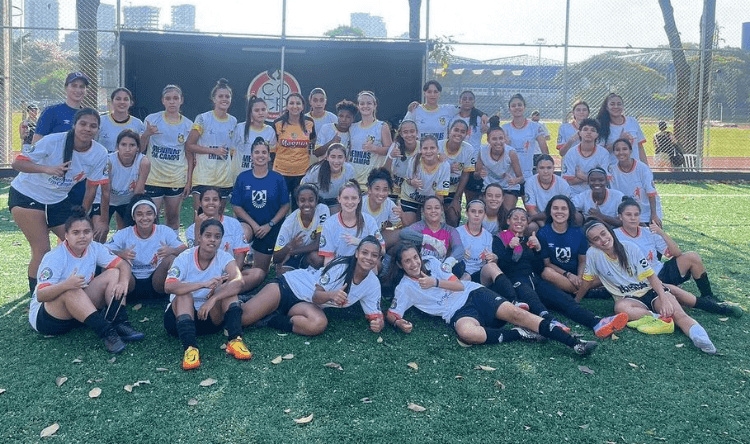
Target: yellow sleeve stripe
point(645, 274)
point(588, 277)
point(198, 128)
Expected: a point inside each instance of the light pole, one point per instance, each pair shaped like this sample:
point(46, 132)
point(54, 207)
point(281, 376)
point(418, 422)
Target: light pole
point(540, 42)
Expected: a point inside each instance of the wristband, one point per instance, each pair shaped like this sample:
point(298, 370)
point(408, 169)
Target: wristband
point(566, 273)
point(437, 283)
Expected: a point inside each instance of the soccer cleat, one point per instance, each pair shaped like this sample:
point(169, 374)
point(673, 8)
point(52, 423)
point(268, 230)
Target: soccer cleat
point(522, 305)
point(528, 335)
point(642, 321)
point(191, 359)
point(658, 326)
point(563, 327)
point(585, 348)
point(113, 342)
point(610, 324)
point(127, 333)
point(734, 310)
point(237, 348)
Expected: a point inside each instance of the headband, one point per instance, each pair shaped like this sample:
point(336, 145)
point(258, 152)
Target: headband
point(142, 202)
point(479, 201)
point(586, 232)
point(597, 170)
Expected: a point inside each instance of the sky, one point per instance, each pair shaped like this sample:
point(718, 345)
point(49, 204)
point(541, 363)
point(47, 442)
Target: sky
point(597, 23)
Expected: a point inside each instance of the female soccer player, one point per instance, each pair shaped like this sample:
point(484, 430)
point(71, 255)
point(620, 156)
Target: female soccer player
point(149, 247)
point(638, 292)
point(524, 135)
point(203, 283)
point(48, 170)
point(431, 117)
point(406, 147)
point(370, 138)
point(634, 178)
point(462, 160)
point(426, 175)
point(376, 203)
point(58, 118)
point(128, 171)
point(616, 125)
point(342, 233)
point(600, 201)
point(498, 163)
point(69, 294)
point(471, 309)
point(118, 119)
point(246, 132)
point(586, 156)
point(337, 132)
point(171, 176)
point(474, 118)
point(295, 134)
point(330, 174)
point(541, 187)
point(476, 240)
point(260, 201)
point(563, 245)
point(299, 237)
point(318, 99)
point(495, 212)
point(210, 142)
point(567, 135)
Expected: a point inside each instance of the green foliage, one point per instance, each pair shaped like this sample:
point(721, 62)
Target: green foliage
point(441, 49)
point(344, 31)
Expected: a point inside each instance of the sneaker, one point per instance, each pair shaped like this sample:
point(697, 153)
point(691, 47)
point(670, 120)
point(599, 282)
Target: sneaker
point(191, 359)
point(127, 333)
point(113, 342)
point(563, 327)
point(585, 348)
point(734, 310)
point(658, 327)
point(237, 348)
point(522, 305)
point(528, 335)
point(610, 324)
point(642, 321)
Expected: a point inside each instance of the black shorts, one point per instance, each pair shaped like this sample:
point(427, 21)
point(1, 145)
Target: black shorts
point(122, 210)
point(447, 200)
point(268, 242)
point(670, 273)
point(482, 305)
point(288, 299)
point(56, 214)
point(517, 193)
point(202, 327)
point(476, 276)
point(224, 192)
point(77, 193)
point(411, 207)
point(144, 290)
point(47, 324)
point(648, 299)
point(157, 192)
point(295, 261)
point(475, 185)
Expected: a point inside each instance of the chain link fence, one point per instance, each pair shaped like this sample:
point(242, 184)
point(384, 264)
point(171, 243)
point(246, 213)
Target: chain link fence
point(42, 42)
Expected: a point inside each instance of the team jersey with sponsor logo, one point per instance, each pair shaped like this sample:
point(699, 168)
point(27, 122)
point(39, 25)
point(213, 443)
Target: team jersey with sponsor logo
point(332, 242)
point(166, 151)
point(565, 132)
point(475, 247)
point(524, 141)
point(464, 157)
point(233, 241)
point(260, 197)
point(385, 214)
point(242, 159)
point(498, 171)
point(436, 181)
point(213, 169)
point(328, 132)
point(537, 195)
point(584, 202)
point(89, 165)
point(146, 260)
point(337, 182)
point(293, 227)
point(365, 161)
point(367, 293)
point(186, 268)
point(620, 283)
point(637, 183)
point(474, 135)
point(576, 160)
point(563, 249)
point(122, 180)
point(434, 121)
point(651, 245)
point(631, 127)
point(293, 147)
point(109, 130)
point(398, 169)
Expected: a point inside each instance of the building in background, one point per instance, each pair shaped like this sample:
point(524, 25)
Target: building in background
point(141, 17)
point(42, 14)
point(183, 18)
point(371, 25)
point(106, 19)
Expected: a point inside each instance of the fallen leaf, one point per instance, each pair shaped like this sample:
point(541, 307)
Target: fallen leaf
point(281, 334)
point(459, 377)
point(288, 356)
point(226, 332)
point(633, 365)
point(584, 426)
point(277, 360)
point(95, 392)
point(137, 307)
point(527, 428)
point(304, 420)
point(77, 360)
point(380, 339)
point(485, 368)
point(335, 365)
point(143, 382)
point(500, 385)
point(49, 431)
point(413, 365)
point(2, 390)
point(61, 380)
point(128, 388)
point(366, 400)
point(462, 344)
point(614, 337)
point(415, 407)
point(723, 319)
point(585, 369)
point(287, 410)
point(208, 382)
point(680, 345)
point(162, 369)
point(223, 346)
point(112, 360)
point(192, 401)
point(145, 319)
point(559, 413)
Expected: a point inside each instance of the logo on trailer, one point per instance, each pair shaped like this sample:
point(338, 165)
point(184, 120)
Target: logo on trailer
point(268, 86)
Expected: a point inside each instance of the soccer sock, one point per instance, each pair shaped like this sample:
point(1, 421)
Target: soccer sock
point(115, 308)
point(700, 338)
point(711, 306)
point(96, 322)
point(704, 285)
point(504, 287)
point(501, 335)
point(556, 333)
point(32, 284)
point(233, 320)
point(186, 331)
point(281, 322)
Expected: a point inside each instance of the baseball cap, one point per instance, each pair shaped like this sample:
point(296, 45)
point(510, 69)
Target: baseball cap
point(75, 76)
point(32, 106)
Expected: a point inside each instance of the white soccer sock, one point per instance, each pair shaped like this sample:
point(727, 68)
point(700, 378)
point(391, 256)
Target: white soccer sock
point(701, 340)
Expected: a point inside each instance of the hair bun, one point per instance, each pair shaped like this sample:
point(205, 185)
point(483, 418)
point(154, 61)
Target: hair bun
point(222, 82)
point(494, 121)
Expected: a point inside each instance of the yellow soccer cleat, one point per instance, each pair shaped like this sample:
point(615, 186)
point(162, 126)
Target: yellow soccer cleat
point(658, 327)
point(237, 348)
point(642, 321)
point(191, 359)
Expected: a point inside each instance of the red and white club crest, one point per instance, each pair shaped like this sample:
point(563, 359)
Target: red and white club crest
point(267, 86)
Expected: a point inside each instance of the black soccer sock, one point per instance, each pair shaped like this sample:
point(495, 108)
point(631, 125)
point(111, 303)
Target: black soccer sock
point(501, 335)
point(711, 306)
point(556, 334)
point(186, 331)
point(281, 322)
point(32, 284)
point(96, 322)
point(233, 320)
point(704, 285)
point(504, 287)
point(122, 315)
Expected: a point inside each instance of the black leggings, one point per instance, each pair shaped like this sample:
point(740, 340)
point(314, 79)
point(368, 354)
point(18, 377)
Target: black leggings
point(540, 294)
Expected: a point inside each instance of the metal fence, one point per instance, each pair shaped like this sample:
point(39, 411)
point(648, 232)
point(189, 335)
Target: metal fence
point(560, 51)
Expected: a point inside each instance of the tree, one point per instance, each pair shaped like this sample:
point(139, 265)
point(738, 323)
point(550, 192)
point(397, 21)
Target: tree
point(87, 48)
point(415, 7)
point(344, 31)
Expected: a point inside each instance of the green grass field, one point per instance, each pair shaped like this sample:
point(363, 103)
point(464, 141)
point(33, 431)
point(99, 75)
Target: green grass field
point(644, 389)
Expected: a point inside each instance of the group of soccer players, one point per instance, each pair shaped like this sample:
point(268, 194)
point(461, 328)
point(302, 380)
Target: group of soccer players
point(347, 210)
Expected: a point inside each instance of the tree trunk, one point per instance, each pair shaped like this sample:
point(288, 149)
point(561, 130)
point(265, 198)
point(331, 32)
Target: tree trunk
point(87, 48)
point(415, 7)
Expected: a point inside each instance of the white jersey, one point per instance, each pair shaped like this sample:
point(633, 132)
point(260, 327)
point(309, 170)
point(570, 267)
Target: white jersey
point(475, 248)
point(630, 126)
point(651, 245)
point(89, 165)
point(434, 301)
point(637, 183)
point(545, 131)
point(491, 225)
point(303, 282)
point(185, 268)
point(332, 241)
point(385, 214)
point(146, 260)
point(59, 264)
point(364, 161)
point(109, 130)
point(212, 169)
point(122, 180)
point(320, 122)
point(537, 195)
point(233, 241)
point(474, 135)
point(293, 227)
point(166, 151)
point(575, 160)
point(584, 202)
point(337, 182)
point(524, 141)
point(498, 171)
point(398, 169)
point(565, 132)
point(242, 159)
point(620, 283)
point(433, 122)
point(328, 132)
point(435, 181)
point(465, 158)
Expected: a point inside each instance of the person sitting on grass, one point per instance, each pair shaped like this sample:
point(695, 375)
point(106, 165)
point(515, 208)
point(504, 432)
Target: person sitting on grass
point(386, 212)
point(204, 282)
point(599, 202)
point(299, 237)
point(624, 270)
point(149, 247)
point(471, 309)
point(541, 187)
point(295, 301)
point(68, 294)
